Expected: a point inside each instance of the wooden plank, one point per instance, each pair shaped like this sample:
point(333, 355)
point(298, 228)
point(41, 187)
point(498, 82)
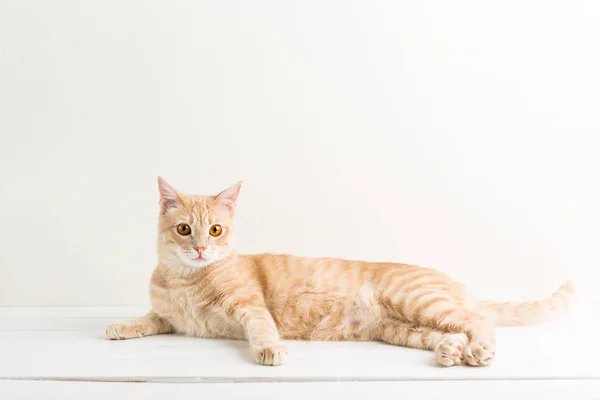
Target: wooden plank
point(56, 344)
point(490, 390)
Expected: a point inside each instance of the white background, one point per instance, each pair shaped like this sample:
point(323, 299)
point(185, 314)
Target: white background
point(457, 135)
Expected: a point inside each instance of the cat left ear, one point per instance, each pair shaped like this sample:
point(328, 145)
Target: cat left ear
point(228, 197)
point(169, 197)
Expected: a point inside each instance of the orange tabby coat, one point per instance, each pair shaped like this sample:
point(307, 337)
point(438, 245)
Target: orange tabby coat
point(202, 287)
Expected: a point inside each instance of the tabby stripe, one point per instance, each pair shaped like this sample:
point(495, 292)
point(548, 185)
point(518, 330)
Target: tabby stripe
point(414, 339)
point(404, 279)
point(418, 284)
point(403, 303)
point(386, 281)
point(440, 320)
point(423, 307)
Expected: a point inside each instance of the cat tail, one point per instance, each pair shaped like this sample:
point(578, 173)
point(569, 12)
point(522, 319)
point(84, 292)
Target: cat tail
point(530, 313)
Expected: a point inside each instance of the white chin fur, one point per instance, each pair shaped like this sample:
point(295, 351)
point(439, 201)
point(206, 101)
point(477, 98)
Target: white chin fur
point(189, 260)
point(199, 263)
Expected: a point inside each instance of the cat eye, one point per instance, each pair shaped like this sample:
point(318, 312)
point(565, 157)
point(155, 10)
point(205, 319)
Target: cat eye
point(215, 230)
point(184, 229)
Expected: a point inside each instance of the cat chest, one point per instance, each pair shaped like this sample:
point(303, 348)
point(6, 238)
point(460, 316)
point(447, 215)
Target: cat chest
point(193, 316)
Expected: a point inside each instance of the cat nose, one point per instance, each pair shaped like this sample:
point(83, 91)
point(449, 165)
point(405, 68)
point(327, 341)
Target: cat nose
point(200, 249)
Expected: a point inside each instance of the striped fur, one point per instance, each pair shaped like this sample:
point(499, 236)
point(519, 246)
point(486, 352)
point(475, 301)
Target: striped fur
point(216, 292)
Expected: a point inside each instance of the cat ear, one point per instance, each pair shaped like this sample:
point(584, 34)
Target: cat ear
point(169, 197)
point(228, 197)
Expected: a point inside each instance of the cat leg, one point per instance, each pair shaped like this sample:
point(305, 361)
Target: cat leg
point(262, 334)
point(150, 324)
point(441, 309)
point(482, 341)
point(482, 346)
point(448, 347)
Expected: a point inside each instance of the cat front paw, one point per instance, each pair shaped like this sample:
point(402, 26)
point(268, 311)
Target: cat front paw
point(272, 355)
point(479, 354)
point(124, 331)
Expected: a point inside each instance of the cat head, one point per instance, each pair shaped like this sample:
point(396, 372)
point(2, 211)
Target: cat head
point(195, 231)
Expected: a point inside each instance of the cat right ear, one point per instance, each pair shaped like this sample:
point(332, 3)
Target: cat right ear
point(169, 197)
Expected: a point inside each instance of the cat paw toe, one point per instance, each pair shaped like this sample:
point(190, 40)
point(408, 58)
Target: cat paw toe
point(270, 355)
point(123, 331)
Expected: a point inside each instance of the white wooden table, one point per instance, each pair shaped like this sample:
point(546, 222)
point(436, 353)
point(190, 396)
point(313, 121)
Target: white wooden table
point(61, 353)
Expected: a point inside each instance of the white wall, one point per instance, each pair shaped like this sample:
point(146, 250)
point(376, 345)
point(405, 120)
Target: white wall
point(458, 135)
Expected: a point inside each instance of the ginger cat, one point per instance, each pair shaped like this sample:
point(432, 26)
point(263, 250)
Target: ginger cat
point(202, 287)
